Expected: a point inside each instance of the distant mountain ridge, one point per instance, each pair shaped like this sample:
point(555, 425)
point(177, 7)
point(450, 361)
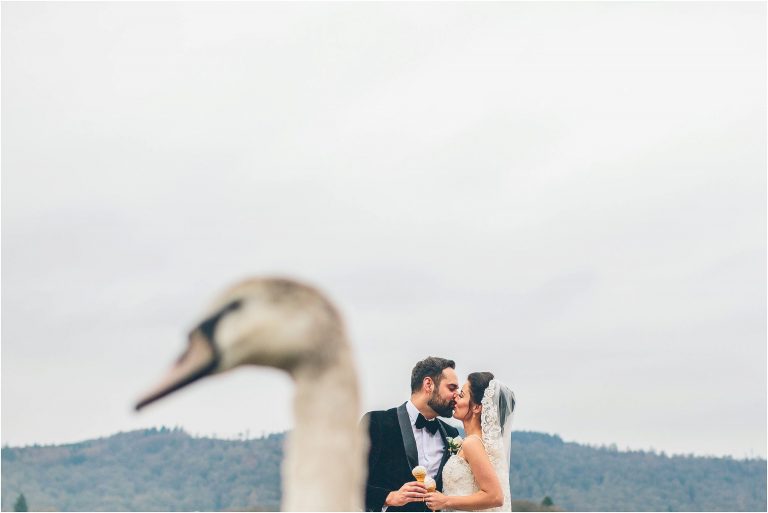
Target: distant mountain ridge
point(168, 470)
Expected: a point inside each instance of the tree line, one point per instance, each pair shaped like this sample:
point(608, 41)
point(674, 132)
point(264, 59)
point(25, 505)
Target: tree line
point(169, 470)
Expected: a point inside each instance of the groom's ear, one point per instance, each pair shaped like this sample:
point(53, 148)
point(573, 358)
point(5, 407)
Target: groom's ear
point(427, 384)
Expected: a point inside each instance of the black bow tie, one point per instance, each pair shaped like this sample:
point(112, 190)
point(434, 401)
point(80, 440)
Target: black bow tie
point(431, 425)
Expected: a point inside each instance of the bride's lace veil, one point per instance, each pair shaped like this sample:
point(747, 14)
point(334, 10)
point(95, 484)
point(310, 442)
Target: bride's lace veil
point(496, 422)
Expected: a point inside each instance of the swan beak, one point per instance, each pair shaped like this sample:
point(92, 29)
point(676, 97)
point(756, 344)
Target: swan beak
point(197, 361)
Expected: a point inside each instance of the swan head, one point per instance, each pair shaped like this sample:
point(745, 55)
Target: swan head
point(272, 322)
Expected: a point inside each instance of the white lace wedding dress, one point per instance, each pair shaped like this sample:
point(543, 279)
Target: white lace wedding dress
point(457, 474)
point(459, 480)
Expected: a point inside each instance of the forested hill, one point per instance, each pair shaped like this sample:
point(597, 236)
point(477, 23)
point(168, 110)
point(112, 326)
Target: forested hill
point(168, 470)
point(584, 478)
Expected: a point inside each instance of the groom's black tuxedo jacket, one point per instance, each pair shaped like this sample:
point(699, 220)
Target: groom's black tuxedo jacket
point(393, 455)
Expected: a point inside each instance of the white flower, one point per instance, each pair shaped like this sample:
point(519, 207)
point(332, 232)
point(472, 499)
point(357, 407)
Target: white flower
point(454, 444)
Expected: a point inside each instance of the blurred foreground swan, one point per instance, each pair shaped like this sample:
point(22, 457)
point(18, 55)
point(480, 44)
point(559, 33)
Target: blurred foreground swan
point(284, 324)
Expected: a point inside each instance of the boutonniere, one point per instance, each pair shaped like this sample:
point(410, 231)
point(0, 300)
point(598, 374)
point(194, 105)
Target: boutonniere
point(454, 444)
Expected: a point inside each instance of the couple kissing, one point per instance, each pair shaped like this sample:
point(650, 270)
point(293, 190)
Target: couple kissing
point(469, 474)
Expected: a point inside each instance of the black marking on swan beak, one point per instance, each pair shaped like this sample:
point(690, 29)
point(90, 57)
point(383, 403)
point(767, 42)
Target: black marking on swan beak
point(208, 329)
point(208, 326)
point(202, 334)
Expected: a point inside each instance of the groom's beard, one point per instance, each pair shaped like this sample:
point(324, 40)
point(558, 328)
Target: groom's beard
point(443, 408)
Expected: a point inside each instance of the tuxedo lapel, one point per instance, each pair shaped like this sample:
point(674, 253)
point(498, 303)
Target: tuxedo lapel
point(409, 442)
point(446, 452)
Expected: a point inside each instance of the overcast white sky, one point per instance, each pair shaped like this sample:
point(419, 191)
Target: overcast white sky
point(572, 196)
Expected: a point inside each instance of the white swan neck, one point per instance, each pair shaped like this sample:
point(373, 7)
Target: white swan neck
point(326, 410)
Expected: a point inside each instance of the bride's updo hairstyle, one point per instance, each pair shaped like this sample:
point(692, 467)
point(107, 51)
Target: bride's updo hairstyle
point(478, 382)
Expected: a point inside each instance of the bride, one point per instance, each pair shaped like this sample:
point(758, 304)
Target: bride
point(477, 477)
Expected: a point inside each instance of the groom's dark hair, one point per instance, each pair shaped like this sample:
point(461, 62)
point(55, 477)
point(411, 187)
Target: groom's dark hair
point(432, 367)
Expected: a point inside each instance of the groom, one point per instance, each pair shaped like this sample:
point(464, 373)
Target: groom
point(411, 435)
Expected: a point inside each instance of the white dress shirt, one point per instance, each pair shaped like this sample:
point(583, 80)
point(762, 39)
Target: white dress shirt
point(430, 447)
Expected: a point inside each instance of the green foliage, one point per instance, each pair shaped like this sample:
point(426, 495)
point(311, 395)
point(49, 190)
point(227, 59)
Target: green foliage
point(148, 470)
point(21, 504)
point(518, 505)
point(546, 502)
point(583, 478)
point(168, 470)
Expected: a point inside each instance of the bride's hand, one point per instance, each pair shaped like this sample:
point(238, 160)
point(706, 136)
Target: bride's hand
point(436, 501)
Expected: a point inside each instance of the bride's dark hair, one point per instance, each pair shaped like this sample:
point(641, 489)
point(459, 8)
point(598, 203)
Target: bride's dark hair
point(478, 382)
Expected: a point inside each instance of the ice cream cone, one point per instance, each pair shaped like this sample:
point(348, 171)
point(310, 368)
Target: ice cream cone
point(419, 473)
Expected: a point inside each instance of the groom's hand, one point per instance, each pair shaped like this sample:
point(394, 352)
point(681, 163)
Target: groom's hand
point(409, 492)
